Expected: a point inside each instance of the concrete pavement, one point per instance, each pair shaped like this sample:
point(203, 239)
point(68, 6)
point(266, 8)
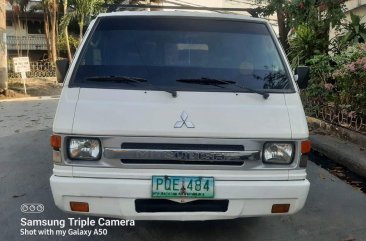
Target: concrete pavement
point(22, 116)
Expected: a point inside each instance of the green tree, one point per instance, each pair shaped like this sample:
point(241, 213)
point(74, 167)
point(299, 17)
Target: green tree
point(318, 15)
point(83, 10)
point(282, 9)
point(66, 31)
point(50, 18)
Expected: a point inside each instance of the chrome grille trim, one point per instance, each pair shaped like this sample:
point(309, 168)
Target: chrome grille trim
point(180, 155)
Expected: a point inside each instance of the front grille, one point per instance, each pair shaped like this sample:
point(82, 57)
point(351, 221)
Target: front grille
point(179, 162)
point(169, 146)
point(183, 154)
point(164, 205)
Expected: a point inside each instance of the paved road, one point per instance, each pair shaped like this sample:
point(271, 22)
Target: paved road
point(334, 210)
point(23, 116)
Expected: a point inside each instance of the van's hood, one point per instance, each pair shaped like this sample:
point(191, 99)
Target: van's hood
point(156, 113)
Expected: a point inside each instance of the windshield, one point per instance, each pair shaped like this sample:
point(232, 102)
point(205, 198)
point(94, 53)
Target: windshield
point(178, 54)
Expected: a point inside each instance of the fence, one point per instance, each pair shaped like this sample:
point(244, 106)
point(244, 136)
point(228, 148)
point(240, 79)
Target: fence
point(38, 69)
point(340, 115)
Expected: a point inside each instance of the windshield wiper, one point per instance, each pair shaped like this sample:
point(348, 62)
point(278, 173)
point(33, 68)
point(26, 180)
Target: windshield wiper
point(117, 79)
point(206, 81)
point(125, 79)
point(173, 92)
point(217, 82)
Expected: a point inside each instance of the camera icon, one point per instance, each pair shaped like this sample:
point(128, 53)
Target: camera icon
point(32, 208)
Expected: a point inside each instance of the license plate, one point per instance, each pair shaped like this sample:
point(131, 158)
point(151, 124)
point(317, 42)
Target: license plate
point(177, 186)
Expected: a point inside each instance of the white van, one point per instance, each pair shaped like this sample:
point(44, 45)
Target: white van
point(180, 116)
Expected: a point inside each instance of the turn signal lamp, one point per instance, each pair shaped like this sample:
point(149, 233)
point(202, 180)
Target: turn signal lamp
point(305, 147)
point(280, 208)
point(79, 207)
point(55, 142)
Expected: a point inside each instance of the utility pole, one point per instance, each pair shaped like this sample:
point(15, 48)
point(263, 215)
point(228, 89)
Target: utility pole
point(3, 49)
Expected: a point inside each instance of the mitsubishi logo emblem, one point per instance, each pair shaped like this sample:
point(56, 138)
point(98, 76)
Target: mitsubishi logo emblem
point(183, 121)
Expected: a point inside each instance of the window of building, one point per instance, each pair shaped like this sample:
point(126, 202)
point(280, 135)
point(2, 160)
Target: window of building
point(35, 27)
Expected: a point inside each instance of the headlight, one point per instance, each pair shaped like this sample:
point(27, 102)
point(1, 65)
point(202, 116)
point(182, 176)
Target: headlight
point(278, 153)
point(84, 149)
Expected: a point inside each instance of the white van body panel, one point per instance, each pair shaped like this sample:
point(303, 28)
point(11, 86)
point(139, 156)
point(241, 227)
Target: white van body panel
point(145, 174)
point(64, 117)
point(154, 113)
point(297, 118)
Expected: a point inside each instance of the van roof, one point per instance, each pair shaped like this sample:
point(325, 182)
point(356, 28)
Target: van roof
point(183, 14)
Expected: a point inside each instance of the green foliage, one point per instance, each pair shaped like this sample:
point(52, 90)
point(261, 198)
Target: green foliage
point(320, 68)
point(303, 45)
point(350, 77)
point(350, 54)
point(61, 43)
point(340, 78)
point(320, 89)
point(317, 15)
point(354, 31)
point(83, 10)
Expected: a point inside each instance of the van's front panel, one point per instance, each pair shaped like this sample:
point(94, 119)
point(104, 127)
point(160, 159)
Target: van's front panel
point(132, 199)
point(167, 117)
point(121, 182)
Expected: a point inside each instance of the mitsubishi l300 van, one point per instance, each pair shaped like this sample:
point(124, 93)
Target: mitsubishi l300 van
point(180, 116)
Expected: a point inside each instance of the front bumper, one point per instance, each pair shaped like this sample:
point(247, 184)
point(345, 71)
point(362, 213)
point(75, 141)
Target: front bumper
point(116, 197)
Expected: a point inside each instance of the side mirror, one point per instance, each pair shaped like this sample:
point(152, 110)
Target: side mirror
point(62, 65)
point(303, 76)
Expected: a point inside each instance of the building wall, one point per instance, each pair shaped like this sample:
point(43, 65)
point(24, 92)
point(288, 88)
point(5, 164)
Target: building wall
point(15, 30)
point(352, 4)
